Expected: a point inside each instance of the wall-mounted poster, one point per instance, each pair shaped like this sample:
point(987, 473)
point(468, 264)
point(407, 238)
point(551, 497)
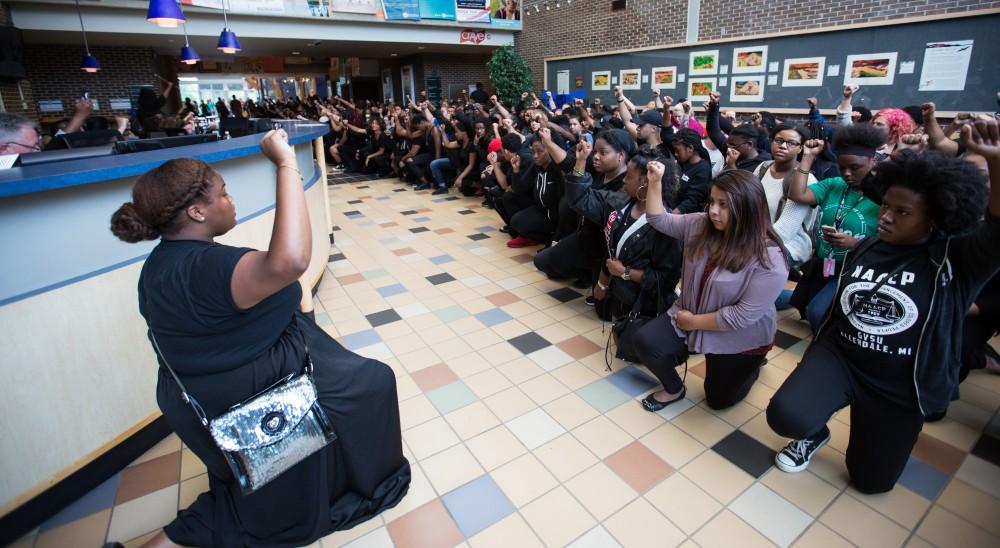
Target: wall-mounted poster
point(749, 59)
point(704, 62)
point(319, 8)
point(664, 77)
point(870, 69)
point(600, 80)
point(699, 89)
point(437, 9)
point(946, 65)
point(354, 6)
point(401, 10)
point(747, 89)
point(472, 11)
point(505, 13)
point(630, 78)
point(803, 72)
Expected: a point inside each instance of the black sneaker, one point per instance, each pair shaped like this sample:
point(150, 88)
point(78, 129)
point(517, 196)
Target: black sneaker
point(505, 229)
point(590, 300)
point(423, 186)
point(796, 455)
point(440, 190)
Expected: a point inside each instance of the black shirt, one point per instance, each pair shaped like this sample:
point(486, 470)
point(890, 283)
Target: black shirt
point(880, 337)
point(692, 193)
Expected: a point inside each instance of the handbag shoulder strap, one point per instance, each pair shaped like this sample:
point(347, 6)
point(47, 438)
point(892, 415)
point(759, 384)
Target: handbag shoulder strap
point(189, 399)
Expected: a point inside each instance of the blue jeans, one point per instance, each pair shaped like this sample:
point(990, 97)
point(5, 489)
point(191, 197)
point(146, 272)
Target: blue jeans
point(438, 168)
point(820, 305)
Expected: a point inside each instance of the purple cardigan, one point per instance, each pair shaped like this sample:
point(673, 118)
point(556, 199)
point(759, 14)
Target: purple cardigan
point(744, 300)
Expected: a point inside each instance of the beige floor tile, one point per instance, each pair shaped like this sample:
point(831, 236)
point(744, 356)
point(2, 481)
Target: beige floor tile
point(557, 517)
point(900, 505)
point(500, 353)
point(430, 437)
point(452, 348)
point(509, 404)
point(483, 338)
point(683, 502)
point(759, 396)
point(451, 468)
point(565, 457)
point(468, 365)
point(137, 542)
point(724, 528)
point(638, 523)
point(495, 447)
point(167, 445)
point(524, 479)
point(703, 426)
point(635, 420)
point(737, 415)
point(570, 411)
point(758, 428)
point(510, 329)
point(419, 359)
point(804, 489)
point(465, 327)
point(405, 387)
point(575, 375)
point(858, 524)
point(946, 530)
point(602, 436)
point(510, 531)
point(917, 542)
point(472, 420)
point(487, 383)
point(421, 492)
point(88, 531)
point(415, 411)
point(955, 433)
point(672, 445)
point(191, 465)
point(840, 435)
point(830, 465)
point(556, 333)
point(144, 514)
point(821, 536)
point(520, 370)
point(190, 489)
point(601, 491)
point(717, 476)
point(972, 504)
point(536, 320)
point(543, 389)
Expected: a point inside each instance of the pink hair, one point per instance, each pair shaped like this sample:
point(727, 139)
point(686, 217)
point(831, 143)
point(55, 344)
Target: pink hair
point(899, 123)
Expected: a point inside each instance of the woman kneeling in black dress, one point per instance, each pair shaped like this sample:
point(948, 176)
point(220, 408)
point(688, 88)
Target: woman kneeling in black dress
point(227, 320)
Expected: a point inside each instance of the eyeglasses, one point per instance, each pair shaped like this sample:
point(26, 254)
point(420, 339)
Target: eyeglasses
point(33, 148)
point(736, 145)
point(781, 142)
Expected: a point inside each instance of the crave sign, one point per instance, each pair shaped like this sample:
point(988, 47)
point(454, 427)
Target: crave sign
point(472, 36)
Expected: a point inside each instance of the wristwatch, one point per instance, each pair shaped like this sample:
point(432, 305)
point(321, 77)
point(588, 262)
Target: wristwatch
point(626, 275)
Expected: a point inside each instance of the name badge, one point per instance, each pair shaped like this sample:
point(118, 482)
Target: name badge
point(684, 178)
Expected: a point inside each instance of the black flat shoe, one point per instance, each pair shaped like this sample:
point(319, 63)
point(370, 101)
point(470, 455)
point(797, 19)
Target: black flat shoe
point(505, 229)
point(653, 405)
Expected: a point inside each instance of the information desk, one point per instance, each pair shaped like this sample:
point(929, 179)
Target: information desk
point(77, 368)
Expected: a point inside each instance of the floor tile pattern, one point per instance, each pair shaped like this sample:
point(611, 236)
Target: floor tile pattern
point(518, 435)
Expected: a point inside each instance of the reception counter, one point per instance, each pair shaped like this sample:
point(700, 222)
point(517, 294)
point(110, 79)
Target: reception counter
point(77, 368)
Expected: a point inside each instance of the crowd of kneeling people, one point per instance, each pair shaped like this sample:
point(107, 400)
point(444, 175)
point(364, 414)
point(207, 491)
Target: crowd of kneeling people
point(688, 231)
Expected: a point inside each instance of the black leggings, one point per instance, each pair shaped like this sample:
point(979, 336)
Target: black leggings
point(976, 334)
point(882, 432)
point(728, 377)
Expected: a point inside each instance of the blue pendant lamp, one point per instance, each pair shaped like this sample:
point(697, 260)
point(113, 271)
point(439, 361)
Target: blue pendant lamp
point(188, 55)
point(165, 13)
point(89, 63)
point(228, 43)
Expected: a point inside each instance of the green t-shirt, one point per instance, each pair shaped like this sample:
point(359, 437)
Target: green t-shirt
point(859, 215)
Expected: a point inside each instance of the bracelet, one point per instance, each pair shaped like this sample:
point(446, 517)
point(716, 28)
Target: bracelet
point(802, 171)
point(293, 168)
point(602, 286)
point(578, 172)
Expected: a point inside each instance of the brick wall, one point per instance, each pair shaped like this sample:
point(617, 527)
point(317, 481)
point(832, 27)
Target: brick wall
point(589, 26)
point(54, 73)
point(457, 69)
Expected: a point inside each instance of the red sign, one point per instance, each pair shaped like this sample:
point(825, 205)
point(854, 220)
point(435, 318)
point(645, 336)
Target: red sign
point(473, 36)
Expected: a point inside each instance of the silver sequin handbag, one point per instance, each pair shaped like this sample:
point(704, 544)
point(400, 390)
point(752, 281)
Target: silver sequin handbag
point(268, 433)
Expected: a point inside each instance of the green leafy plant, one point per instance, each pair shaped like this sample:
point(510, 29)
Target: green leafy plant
point(510, 74)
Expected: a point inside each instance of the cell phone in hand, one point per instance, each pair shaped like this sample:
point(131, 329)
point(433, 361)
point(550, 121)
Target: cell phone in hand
point(588, 137)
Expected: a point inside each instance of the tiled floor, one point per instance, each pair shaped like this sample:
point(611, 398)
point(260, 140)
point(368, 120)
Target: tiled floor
point(518, 436)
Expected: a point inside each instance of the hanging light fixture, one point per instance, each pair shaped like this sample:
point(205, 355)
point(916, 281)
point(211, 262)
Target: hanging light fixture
point(89, 63)
point(228, 42)
point(165, 13)
point(188, 55)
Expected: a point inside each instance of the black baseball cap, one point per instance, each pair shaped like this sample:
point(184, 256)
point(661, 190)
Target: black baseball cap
point(651, 116)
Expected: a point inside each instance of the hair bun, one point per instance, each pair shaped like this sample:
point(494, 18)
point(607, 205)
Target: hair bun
point(129, 227)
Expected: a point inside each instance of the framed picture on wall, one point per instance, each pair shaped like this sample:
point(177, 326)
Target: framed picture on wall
point(747, 89)
point(600, 80)
point(704, 62)
point(870, 69)
point(749, 59)
point(630, 78)
point(664, 78)
point(803, 72)
point(699, 89)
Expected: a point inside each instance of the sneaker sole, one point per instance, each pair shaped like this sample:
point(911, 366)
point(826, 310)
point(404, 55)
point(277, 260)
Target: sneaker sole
point(793, 469)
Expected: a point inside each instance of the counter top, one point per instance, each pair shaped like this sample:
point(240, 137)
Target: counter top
point(56, 175)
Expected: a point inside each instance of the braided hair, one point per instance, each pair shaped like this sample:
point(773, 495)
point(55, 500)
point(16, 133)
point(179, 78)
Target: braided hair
point(159, 197)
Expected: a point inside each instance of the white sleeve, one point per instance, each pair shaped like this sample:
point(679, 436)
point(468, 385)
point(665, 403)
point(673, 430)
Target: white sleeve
point(790, 226)
point(844, 118)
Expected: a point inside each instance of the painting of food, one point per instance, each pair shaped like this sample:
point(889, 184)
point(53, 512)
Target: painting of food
point(747, 87)
point(746, 59)
point(704, 62)
point(870, 68)
point(701, 89)
point(601, 79)
point(630, 78)
point(663, 77)
point(803, 71)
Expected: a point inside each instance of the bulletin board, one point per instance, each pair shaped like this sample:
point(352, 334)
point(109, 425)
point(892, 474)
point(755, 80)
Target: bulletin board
point(954, 62)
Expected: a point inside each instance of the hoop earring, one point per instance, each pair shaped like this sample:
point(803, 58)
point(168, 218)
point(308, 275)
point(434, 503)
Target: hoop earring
point(640, 193)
